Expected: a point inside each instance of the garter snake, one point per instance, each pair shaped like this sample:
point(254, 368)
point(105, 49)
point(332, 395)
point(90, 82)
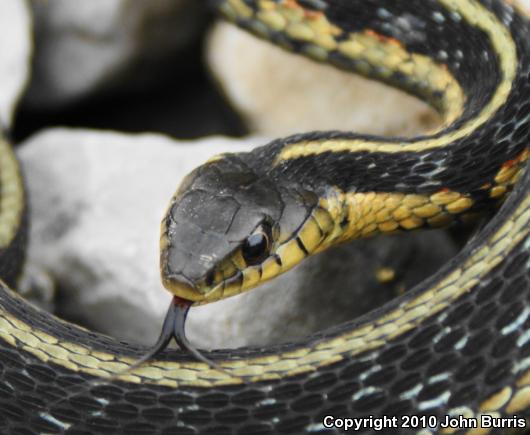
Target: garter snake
point(457, 344)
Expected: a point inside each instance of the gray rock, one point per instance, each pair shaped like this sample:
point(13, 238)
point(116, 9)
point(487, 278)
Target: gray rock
point(84, 47)
point(15, 49)
point(96, 202)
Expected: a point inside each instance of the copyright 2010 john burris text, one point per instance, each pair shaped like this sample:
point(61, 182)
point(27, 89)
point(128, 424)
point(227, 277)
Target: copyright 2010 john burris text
point(411, 422)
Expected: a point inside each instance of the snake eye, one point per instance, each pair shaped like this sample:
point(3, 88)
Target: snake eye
point(257, 246)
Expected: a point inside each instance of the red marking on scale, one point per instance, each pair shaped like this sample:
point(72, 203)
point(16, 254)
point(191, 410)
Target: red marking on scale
point(509, 163)
point(312, 15)
point(518, 159)
point(291, 4)
point(383, 38)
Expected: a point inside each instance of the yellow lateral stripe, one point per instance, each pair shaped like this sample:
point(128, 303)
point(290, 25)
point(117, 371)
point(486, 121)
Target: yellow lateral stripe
point(505, 49)
point(11, 194)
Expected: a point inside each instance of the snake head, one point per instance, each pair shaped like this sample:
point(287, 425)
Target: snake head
point(229, 228)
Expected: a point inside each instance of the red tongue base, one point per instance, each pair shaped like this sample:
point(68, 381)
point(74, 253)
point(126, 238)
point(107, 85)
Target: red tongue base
point(183, 303)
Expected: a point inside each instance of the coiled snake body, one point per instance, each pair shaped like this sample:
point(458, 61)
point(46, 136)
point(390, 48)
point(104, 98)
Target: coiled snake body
point(458, 344)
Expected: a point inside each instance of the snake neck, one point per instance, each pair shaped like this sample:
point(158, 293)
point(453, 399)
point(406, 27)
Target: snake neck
point(344, 214)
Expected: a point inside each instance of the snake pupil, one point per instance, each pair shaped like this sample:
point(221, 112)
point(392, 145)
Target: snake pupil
point(256, 248)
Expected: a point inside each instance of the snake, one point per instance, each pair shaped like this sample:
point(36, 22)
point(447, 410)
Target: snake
point(457, 345)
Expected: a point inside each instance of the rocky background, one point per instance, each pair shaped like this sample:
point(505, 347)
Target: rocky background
point(112, 102)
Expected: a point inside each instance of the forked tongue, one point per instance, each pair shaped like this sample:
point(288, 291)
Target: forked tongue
point(174, 327)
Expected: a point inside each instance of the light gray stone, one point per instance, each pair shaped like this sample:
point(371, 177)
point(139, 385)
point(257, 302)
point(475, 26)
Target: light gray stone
point(84, 47)
point(97, 199)
point(15, 53)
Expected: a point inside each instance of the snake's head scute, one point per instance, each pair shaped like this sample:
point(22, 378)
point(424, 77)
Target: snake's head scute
point(226, 228)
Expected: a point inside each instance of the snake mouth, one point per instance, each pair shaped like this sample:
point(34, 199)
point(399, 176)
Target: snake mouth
point(183, 289)
point(206, 290)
